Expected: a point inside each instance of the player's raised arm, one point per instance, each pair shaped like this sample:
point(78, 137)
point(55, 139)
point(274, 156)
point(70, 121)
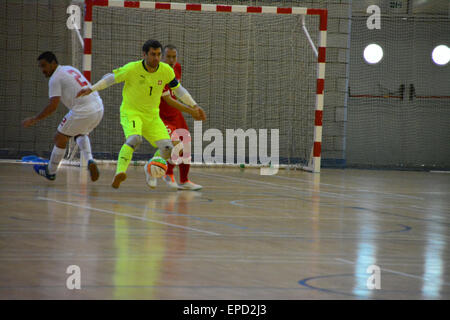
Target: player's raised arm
point(196, 112)
point(105, 82)
point(181, 93)
point(184, 96)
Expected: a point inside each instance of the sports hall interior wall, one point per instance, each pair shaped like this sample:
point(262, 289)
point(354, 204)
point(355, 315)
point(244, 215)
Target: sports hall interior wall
point(356, 133)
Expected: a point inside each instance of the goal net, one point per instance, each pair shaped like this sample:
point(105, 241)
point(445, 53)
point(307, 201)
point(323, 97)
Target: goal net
point(248, 67)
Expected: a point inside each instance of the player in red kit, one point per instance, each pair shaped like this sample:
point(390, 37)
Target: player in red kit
point(173, 119)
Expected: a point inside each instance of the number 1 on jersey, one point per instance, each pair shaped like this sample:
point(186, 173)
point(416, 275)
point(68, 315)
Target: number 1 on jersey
point(151, 89)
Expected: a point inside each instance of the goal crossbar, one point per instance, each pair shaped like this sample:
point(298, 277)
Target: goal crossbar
point(320, 51)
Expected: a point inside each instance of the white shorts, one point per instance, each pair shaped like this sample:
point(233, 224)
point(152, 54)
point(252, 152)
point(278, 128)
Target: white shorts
point(73, 125)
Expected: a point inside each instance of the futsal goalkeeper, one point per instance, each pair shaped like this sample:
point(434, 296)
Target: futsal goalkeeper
point(139, 112)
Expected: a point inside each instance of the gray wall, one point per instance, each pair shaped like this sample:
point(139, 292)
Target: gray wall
point(392, 132)
point(379, 132)
point(30, 27)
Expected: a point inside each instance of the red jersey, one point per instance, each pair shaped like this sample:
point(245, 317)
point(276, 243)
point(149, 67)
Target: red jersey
point(166, 112)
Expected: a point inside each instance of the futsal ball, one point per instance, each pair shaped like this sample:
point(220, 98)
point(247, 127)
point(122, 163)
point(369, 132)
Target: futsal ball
point(157, 167)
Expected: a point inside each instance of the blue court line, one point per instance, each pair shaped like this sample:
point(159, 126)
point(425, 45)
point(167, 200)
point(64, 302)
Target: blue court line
point(304, 283)
point(363, 209)
point(405, 228)
point(237, 226)
point(397, 215)
point(325, 194)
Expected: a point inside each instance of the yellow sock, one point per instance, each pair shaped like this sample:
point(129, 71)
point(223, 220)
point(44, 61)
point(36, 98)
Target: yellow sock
point(125, 155)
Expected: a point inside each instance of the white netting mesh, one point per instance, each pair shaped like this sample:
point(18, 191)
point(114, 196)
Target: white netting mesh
point(247, 71)
point(399, 109)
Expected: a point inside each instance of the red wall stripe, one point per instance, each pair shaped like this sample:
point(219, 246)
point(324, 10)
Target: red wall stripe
point(322, 54)
point(320, 86)
point(101, 3)
point(323, 17)
point(254, 9)
point(193, 7)
point(314, 11)
point(90, 4)
point(317, 149)
point(88, 15)
point(284, 10)
point(160, 5)
point(222, 8)
point(131, 4)
point(324, 20)
point(87, 75)
point(318, 119)
point(87, 46)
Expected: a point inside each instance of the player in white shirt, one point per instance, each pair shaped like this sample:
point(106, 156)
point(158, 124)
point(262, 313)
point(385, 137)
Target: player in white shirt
point(85, 114)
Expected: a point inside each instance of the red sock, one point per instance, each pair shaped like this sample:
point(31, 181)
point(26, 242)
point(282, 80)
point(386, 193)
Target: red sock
point(170, 168)
point(184, 170)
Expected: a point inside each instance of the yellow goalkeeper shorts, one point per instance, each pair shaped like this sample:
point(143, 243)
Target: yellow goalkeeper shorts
point(149, 126)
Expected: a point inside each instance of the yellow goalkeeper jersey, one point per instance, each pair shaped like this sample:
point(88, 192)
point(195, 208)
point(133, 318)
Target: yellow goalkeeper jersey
point(142, 90)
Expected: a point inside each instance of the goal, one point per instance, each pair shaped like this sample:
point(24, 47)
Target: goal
point(249, 67)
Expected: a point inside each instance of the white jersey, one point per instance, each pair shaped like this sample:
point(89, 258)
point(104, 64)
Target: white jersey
point(66, 82)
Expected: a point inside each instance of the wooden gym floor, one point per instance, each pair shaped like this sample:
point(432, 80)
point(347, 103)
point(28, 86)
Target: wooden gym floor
point(294, 235)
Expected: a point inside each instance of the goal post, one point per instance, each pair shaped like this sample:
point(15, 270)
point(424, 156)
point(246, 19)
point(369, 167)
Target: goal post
point(311, 161)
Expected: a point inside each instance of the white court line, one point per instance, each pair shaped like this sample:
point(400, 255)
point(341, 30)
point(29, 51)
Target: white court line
point(395, 272)
point(325, 194)
point(253, 182)
point(302, 190)
point(130, 216)
point(351, 188)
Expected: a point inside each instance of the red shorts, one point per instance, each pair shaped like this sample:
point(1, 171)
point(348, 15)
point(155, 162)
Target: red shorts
point(175, 123)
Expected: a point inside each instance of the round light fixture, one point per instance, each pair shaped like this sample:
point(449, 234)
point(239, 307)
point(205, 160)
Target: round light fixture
point(441, 55)
point(373, 53)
